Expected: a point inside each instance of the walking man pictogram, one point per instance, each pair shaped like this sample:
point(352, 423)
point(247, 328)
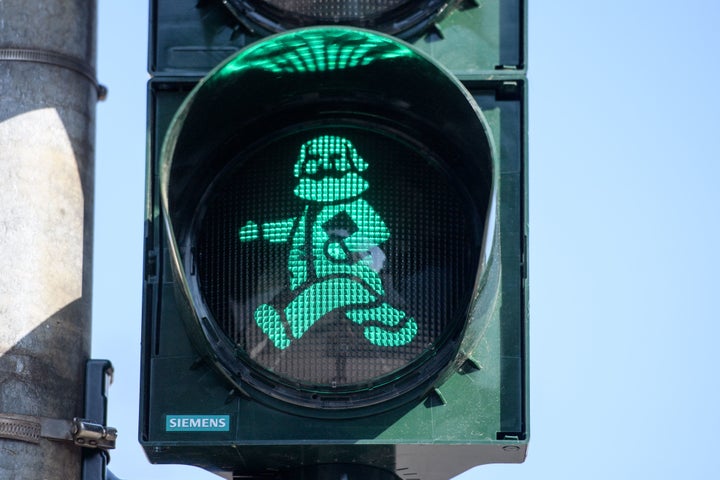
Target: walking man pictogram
point(330, 262)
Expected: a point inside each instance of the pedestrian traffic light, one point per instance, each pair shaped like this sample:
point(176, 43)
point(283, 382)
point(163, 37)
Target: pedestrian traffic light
point(335, 250)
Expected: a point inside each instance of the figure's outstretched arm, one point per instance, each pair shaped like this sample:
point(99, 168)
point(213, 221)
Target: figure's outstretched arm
point(275, 232)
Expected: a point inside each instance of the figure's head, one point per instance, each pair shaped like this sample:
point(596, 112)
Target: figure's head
point(329, 170)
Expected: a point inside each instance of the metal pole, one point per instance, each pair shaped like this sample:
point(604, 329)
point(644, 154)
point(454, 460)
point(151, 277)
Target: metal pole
point(48, 94)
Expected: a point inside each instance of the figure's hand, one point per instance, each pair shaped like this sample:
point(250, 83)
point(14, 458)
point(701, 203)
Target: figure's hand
point(249, 232)
point(337, 251)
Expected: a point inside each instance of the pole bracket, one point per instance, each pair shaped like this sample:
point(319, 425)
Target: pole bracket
point(93, 435)
point(81, 432)
point(61, 60)
point(88, 432)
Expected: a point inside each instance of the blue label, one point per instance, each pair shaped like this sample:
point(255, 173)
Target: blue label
point(197, 423)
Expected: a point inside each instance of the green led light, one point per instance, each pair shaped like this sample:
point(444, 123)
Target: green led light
point(328, 152)
point(330, 262)
point(320, 50)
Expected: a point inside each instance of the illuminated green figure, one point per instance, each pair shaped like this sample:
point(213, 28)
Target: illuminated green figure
point(331, 261)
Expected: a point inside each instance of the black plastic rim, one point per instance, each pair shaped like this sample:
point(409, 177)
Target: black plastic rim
point(402, 18)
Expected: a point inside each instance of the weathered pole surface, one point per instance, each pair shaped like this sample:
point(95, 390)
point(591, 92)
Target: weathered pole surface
point(47, 129)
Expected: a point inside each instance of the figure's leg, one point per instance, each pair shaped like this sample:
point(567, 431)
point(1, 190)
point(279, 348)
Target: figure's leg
point(310, 304)
point(386, 315)
point(270, 322)
point(321, 298)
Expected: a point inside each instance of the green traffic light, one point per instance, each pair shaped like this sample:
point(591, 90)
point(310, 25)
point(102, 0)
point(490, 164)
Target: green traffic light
point(336, 239)
point(333, 235)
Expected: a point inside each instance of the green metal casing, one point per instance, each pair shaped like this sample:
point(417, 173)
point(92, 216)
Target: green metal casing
point(478, 415)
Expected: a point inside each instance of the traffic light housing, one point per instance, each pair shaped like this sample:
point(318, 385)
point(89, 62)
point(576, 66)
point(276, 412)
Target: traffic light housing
point(335, 258)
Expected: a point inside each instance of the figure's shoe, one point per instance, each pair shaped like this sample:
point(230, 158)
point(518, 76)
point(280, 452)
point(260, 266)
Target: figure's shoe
point(270, 322)
point(384, 313)
point(392, 337)
point(400, 329)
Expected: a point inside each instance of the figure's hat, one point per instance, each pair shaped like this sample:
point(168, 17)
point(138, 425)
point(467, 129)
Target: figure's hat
point(328, 152)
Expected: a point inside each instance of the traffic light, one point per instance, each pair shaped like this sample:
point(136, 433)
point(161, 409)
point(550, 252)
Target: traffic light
point(335, 268)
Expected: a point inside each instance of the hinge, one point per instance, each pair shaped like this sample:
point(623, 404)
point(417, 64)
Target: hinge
point(92, 435)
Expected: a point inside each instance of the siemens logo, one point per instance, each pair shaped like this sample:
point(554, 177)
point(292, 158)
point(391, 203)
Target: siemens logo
point(197, 423)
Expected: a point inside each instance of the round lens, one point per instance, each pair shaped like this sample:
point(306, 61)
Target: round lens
point(331, 219)
point(334, 258)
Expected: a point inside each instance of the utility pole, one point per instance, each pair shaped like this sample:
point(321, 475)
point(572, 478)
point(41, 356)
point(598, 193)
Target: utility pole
point(48, 94)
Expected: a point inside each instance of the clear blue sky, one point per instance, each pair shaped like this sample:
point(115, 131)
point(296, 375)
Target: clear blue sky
point(624, 234)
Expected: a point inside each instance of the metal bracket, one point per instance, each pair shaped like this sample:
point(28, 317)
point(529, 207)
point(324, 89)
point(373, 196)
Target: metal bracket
point(48, 57)
point(92, 435)
point(28, 428)
point(91, 429)
point(84, 432)
point(89, 433)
